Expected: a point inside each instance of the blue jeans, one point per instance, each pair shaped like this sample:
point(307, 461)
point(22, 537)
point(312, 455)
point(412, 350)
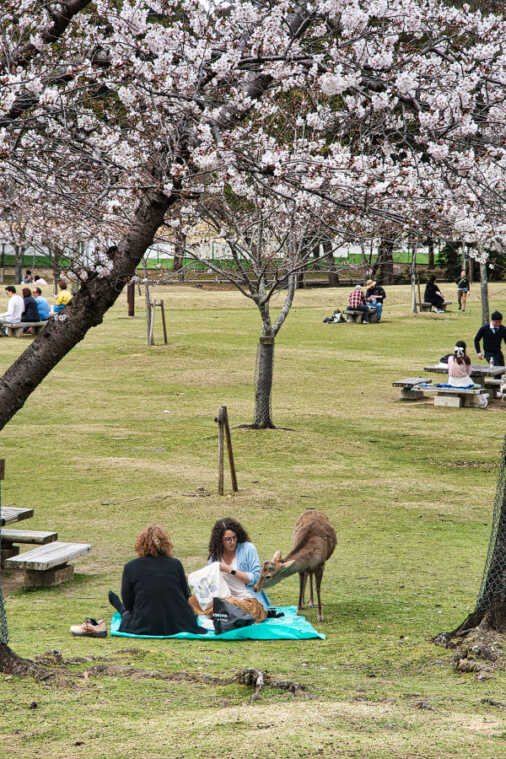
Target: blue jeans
point(379, 308)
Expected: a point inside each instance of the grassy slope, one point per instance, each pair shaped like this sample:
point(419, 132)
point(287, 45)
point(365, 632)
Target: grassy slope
point(408, 487)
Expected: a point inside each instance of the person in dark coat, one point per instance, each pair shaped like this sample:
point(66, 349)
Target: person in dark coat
point(434, 295)
point(154, 589)
point(31, 312)
point(492, 334)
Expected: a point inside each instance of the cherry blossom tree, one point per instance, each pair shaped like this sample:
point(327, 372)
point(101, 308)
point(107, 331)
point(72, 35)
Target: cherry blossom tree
point(113, 113)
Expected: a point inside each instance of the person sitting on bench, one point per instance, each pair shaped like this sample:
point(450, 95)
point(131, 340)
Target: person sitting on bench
point(31, 312)
point(434, 295)
point(459, 367)
point(154, 589)
point(374, 296)
point(64, 297)
point(356, 302)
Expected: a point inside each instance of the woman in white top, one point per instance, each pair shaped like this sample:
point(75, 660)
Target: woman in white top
point(459, 367)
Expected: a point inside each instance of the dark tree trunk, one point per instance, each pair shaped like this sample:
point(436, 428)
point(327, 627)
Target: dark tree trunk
point(86, 310)
point(19, 264)
point(430, 244)
point(385, 262)
point(263, 389)
point(12, 664)
point(179, 247)
point(485, 310)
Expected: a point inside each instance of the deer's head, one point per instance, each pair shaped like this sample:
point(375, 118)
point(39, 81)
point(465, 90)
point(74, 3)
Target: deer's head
point(273, 571)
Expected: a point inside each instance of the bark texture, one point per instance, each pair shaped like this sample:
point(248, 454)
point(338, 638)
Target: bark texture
point(263, 389)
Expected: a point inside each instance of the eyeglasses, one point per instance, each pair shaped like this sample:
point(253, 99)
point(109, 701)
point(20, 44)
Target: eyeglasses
point(230, 540)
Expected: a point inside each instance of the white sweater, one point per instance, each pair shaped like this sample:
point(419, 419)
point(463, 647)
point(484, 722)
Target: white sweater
point(15, 308)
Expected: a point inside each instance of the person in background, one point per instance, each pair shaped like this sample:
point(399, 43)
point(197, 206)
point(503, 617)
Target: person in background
point(30, 312)
point(459, 366)
point(492, 334)
point(27, 279)
point(154, 589)
point(15, 306)
point(434, 295)
point(463, 289)
point(64, 296)
point(42, 304)
point(38, 280)
point(356, 301)
point(374, 296)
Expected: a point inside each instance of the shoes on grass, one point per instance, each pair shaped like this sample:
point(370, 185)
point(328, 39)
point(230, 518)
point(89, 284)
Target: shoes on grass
point(90, 628)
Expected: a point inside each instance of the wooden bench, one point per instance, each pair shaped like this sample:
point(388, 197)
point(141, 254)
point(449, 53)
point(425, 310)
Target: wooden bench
point(48, 565)
point(10, 538)
point(10, 514)
point(409, 389)
point(429, 306)
point(17, 330)
point(455, 397)
point(353, 315)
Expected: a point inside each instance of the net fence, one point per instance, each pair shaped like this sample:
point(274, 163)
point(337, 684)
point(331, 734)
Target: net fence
point(493, 584)
point(4, 633)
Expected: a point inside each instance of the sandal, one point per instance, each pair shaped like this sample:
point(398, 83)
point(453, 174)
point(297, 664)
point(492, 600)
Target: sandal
point(90, 628)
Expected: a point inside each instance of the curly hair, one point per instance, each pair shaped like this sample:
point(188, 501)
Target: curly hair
point(216, 539)
point(153, 541)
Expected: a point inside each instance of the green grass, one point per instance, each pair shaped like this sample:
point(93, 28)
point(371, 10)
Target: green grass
point(409, 488)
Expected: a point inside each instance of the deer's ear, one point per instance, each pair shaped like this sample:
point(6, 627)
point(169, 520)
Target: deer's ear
point(287, 564)
point(277, 556)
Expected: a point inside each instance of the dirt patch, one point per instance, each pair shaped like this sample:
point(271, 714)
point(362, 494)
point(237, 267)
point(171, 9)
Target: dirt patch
point(11, 581)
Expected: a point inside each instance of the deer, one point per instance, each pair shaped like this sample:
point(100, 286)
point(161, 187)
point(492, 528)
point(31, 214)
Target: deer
point(314, 540)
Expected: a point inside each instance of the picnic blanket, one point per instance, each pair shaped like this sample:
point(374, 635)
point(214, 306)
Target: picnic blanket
point(289, 627)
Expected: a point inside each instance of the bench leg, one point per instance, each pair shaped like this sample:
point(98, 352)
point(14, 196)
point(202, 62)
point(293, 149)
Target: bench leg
point(48, 578)
point(452, 401)
point(473, 401)
point(7, 552)
point(411, 395)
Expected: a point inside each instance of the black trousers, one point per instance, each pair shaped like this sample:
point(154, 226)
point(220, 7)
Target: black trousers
point(497, 357)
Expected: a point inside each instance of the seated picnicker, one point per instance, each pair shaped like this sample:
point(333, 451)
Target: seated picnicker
point(434, 295)
point(42, 304)
point(15, 306)
point(30, 312)
point(63, 298)
point(459, 366)
point(154, 589)
point(356, 301)
point(374, 296)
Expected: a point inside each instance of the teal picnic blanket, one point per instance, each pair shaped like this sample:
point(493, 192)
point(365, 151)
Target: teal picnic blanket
point(289, 627)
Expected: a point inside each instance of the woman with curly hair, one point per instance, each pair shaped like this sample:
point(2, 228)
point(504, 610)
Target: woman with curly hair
point(239, 565)
point(154, 589)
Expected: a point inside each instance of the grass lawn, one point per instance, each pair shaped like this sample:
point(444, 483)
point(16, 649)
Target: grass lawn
point(120, 435)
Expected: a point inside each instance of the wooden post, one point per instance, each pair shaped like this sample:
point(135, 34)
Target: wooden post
point(2, 469)
point(162, 308)
point(230, 452)
point(151, 335)
point(221, 472)
point(148, 309)
point(485, 311)
point(131, 299)
point(413, 278)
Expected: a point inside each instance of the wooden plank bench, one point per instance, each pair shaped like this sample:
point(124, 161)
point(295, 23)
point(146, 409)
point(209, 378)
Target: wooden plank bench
point(455, 397)
point(10, 538)
point(353, 315)
point(10, 514)
point(17, 330)
point(409, 391)
point(429, 306)
point(48, 565)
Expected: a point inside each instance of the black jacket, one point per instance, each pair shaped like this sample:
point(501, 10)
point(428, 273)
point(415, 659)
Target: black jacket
point(491, 340)
point(155, 593)
point(377, 291)
point(31, 312)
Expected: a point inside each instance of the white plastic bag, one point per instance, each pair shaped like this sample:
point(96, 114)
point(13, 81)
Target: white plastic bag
point(207, 583)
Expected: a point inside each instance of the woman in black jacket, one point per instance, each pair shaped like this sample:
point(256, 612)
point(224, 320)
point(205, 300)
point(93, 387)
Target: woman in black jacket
point(154, 589)
point(434, 295)
point(31, 312)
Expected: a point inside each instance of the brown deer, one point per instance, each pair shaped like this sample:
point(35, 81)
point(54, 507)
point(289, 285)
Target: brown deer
point(314, 540)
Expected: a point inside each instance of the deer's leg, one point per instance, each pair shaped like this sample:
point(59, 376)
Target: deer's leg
point(311, 593)
point(302, 589)
point(318, 577)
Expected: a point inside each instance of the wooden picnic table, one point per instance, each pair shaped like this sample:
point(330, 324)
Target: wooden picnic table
point(479, 372)
point(9, 515)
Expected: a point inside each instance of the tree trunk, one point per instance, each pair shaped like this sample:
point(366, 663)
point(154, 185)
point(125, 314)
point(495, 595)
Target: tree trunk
point(263, 385)
point(12, 664)
point(413, 280)
point(179, 247)
point(385, 262)
point(430, 245)
point(485, 310)
point(86, 310)
point(19, 264)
